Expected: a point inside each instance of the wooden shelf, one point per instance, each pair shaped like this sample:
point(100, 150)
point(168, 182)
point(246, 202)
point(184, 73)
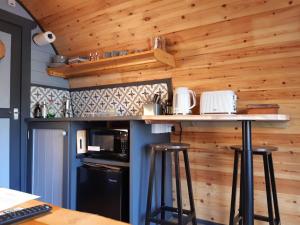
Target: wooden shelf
point(137, 61)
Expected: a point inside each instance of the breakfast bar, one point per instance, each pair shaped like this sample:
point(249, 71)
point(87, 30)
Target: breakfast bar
point(246, 120)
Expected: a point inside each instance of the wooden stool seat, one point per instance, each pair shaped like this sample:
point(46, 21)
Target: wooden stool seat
point(168, 146)
point(256, 149)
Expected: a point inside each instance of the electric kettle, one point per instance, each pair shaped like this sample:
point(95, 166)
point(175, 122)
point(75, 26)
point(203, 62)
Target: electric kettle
point(182, 101)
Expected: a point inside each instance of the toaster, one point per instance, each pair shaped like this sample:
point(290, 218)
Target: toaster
point(218, 102)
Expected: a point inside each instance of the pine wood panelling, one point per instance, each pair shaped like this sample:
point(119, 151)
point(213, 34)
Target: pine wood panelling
point(251, 47)
point(94, 24)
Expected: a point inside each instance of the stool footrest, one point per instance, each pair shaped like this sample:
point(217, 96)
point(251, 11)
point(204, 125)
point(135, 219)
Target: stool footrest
point(266, 219)
point(261, 218)
point(237, 219)
point(172, 209)
point(188, 216)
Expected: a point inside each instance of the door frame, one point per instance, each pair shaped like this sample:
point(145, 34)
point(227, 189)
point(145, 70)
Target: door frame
point(26, 26)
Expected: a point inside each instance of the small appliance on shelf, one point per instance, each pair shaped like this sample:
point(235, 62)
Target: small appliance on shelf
point(103, 143)
point(58, 61)
point(218, 102)
point(183, 101)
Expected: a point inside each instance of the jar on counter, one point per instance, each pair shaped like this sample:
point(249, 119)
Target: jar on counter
point(44, 110)
point(168, 108)
point(51, 111)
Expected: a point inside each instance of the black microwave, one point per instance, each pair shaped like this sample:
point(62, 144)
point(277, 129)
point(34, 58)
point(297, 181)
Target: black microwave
point(104, 143)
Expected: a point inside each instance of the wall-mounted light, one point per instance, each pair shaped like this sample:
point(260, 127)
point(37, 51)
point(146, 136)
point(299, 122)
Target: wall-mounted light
point(43, 38)
point(2, 50)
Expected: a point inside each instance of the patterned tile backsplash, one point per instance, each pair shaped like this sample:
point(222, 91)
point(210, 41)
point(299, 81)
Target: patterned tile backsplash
point(127, 100)
point(124, 101)
point(52, 96)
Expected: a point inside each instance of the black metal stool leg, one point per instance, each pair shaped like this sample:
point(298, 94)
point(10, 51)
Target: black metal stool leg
point(163, 173)
point(150, 187)
point(240, 215)
point(233, 191)
point(274, 191)
point(189, 185)
point(178, 187)
point(248, 187)
point(268, 189)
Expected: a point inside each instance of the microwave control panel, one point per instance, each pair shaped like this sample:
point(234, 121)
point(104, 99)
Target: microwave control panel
point(124, 143)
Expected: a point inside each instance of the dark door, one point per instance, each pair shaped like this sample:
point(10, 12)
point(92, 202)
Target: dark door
point(103, 191)
point(10, 89)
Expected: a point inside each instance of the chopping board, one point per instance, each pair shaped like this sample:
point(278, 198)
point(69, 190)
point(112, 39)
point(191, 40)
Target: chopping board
point(2, 50)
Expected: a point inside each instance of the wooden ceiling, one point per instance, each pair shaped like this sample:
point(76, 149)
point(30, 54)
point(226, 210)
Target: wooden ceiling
point(86, 25)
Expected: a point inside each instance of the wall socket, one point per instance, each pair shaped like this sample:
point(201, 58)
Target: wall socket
point(12, 3)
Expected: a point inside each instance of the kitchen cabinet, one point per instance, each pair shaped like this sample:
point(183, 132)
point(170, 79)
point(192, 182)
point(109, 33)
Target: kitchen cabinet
point(140, 136)
point(48, 164)
point(51, 161)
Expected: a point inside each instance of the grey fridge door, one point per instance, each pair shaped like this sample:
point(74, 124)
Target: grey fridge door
point(49, 178)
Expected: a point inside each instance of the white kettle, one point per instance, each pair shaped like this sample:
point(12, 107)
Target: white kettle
point(182, 101)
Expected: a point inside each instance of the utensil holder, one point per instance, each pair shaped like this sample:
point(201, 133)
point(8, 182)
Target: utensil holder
point(152, 109)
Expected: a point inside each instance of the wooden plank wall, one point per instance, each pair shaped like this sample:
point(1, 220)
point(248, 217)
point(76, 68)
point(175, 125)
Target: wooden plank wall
point(251, 47)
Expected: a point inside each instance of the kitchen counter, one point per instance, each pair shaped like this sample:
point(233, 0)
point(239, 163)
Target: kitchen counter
point(79, 119)
point(174, 118)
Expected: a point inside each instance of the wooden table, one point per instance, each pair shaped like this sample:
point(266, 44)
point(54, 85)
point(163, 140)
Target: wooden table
point(59, 216)
point(246, 120)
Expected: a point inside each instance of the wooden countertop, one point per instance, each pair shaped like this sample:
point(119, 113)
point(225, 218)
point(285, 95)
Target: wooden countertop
point(59, 216)
point(87, 119)
point(216, 117)
point(175, 118)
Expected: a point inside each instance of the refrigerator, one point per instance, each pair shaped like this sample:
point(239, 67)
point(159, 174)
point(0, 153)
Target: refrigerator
point(103, 190)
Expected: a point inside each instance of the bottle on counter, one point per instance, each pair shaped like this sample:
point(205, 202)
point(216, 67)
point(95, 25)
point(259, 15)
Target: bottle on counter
point(37, 112)
point(67, 112)
point(44, 110)
point(51, 110)
point(167, 107)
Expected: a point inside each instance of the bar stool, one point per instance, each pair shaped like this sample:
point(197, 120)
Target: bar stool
point(272, 201)
point(184, 216)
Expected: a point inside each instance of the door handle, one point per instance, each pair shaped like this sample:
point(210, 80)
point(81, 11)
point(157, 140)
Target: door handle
point(16, 113)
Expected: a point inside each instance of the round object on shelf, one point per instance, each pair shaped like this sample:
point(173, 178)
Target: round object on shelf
point(59, 59)
point(2, 50)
